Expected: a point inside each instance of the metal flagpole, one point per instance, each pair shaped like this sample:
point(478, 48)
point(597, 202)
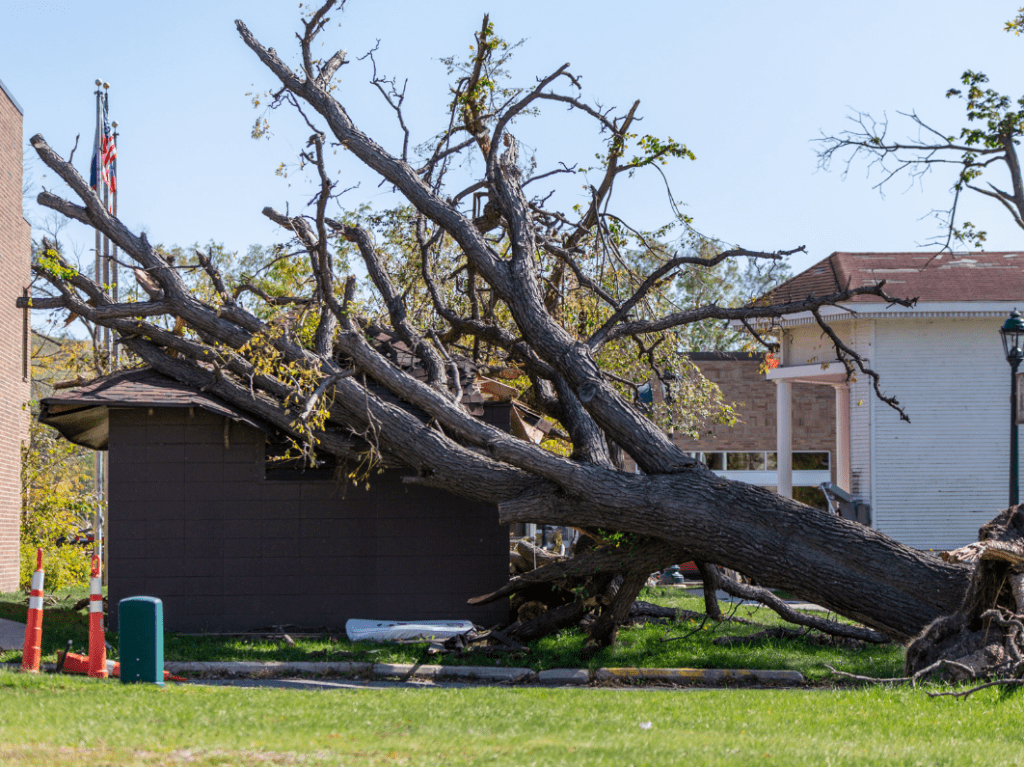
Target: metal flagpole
point(108, 357)
point(95, 173)
point(106, 240)
point(97, 342)
point(113, 262)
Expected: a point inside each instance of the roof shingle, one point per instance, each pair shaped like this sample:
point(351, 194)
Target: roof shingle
point(80, 414)
point(996, 276)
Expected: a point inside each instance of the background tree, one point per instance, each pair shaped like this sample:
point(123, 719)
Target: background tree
point(982, 156)
point(983, 633)
point(57, 482)
point(518, 282)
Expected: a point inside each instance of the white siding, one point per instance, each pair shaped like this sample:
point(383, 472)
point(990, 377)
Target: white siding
point(940, 477)
point(808, 345)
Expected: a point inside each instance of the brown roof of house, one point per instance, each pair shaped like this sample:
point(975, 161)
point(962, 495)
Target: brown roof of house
point(80, 414)
point(979, 276)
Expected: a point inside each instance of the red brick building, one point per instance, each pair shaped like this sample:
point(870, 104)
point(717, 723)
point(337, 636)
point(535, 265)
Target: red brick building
point(746, 451)
point(15, 249)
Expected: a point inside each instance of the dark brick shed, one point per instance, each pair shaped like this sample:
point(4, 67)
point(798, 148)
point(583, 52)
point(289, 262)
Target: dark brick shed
point(198, 518)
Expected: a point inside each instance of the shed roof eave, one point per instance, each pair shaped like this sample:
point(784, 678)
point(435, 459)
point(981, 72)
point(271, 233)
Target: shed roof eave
point(86, 426)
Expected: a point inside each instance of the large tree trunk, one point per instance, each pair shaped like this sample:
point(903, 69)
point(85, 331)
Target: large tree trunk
point(839, 564)
point(676, 505)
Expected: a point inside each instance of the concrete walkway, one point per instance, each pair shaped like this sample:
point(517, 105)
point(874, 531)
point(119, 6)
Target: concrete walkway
point(12, 635)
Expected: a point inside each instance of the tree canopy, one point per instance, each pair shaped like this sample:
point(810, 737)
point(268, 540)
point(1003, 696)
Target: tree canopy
point(57, 484)
point(982, 156)
point(482, 266)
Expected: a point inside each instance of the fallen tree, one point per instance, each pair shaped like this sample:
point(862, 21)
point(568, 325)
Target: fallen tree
point(511, 301)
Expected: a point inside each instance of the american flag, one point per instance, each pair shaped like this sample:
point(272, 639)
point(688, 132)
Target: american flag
point(104, 153)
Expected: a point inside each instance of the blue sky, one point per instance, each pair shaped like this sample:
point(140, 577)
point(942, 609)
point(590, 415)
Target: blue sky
point(745, 85)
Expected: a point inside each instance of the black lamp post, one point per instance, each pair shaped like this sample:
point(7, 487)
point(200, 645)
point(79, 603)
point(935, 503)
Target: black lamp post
point(1012, 332)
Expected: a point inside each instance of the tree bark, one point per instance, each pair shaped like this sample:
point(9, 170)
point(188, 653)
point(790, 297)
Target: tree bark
point(711, 579)
point(844, 566)
point(605, 628)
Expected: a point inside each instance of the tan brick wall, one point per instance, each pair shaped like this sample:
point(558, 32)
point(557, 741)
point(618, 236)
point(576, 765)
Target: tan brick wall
point(15, 246)
point(814, 411)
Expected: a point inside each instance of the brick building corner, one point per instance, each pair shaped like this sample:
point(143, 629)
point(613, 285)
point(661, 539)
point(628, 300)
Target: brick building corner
point(15, 256)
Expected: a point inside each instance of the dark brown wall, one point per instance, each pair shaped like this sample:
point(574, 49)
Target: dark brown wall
point(196, 524)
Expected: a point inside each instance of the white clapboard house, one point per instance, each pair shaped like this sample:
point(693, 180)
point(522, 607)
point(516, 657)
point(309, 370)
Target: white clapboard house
point(931, 482)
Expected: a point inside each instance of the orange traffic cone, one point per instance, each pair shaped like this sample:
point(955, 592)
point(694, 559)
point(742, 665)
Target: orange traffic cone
point(73, 663)
point(76, 664)
point(34, 624)
point(97, 642)
point(115, 670)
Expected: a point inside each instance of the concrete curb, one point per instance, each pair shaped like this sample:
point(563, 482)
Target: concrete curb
point(491, 674)
point(260, 669)
point(265, 668)
point(562, 677)
point(698, 675)
point(480, 673)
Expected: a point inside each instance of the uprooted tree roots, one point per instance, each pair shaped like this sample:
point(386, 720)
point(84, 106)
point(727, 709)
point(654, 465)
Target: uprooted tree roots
point(598, 587)
point(984, 639)
point(595, 588)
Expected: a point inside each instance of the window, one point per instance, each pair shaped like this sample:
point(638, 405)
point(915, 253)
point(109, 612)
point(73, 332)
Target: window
point(740, 461)
point(715, 461)
point(26, 370)
point(811, 461)
point(744, 461)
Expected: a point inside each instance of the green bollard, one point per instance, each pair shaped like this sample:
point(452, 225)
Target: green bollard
point(141, 633)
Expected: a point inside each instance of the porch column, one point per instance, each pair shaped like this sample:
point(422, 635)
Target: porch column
point(843, 477)
point(784, 436)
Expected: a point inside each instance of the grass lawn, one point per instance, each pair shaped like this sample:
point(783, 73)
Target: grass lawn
point(52, 719)
point(644, 646)
point(63, 720)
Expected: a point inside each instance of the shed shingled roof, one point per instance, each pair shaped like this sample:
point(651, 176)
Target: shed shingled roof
point(80, 414)
point(981, 276)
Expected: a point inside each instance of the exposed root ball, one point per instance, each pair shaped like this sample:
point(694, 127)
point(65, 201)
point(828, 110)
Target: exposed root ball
point(985, 637)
